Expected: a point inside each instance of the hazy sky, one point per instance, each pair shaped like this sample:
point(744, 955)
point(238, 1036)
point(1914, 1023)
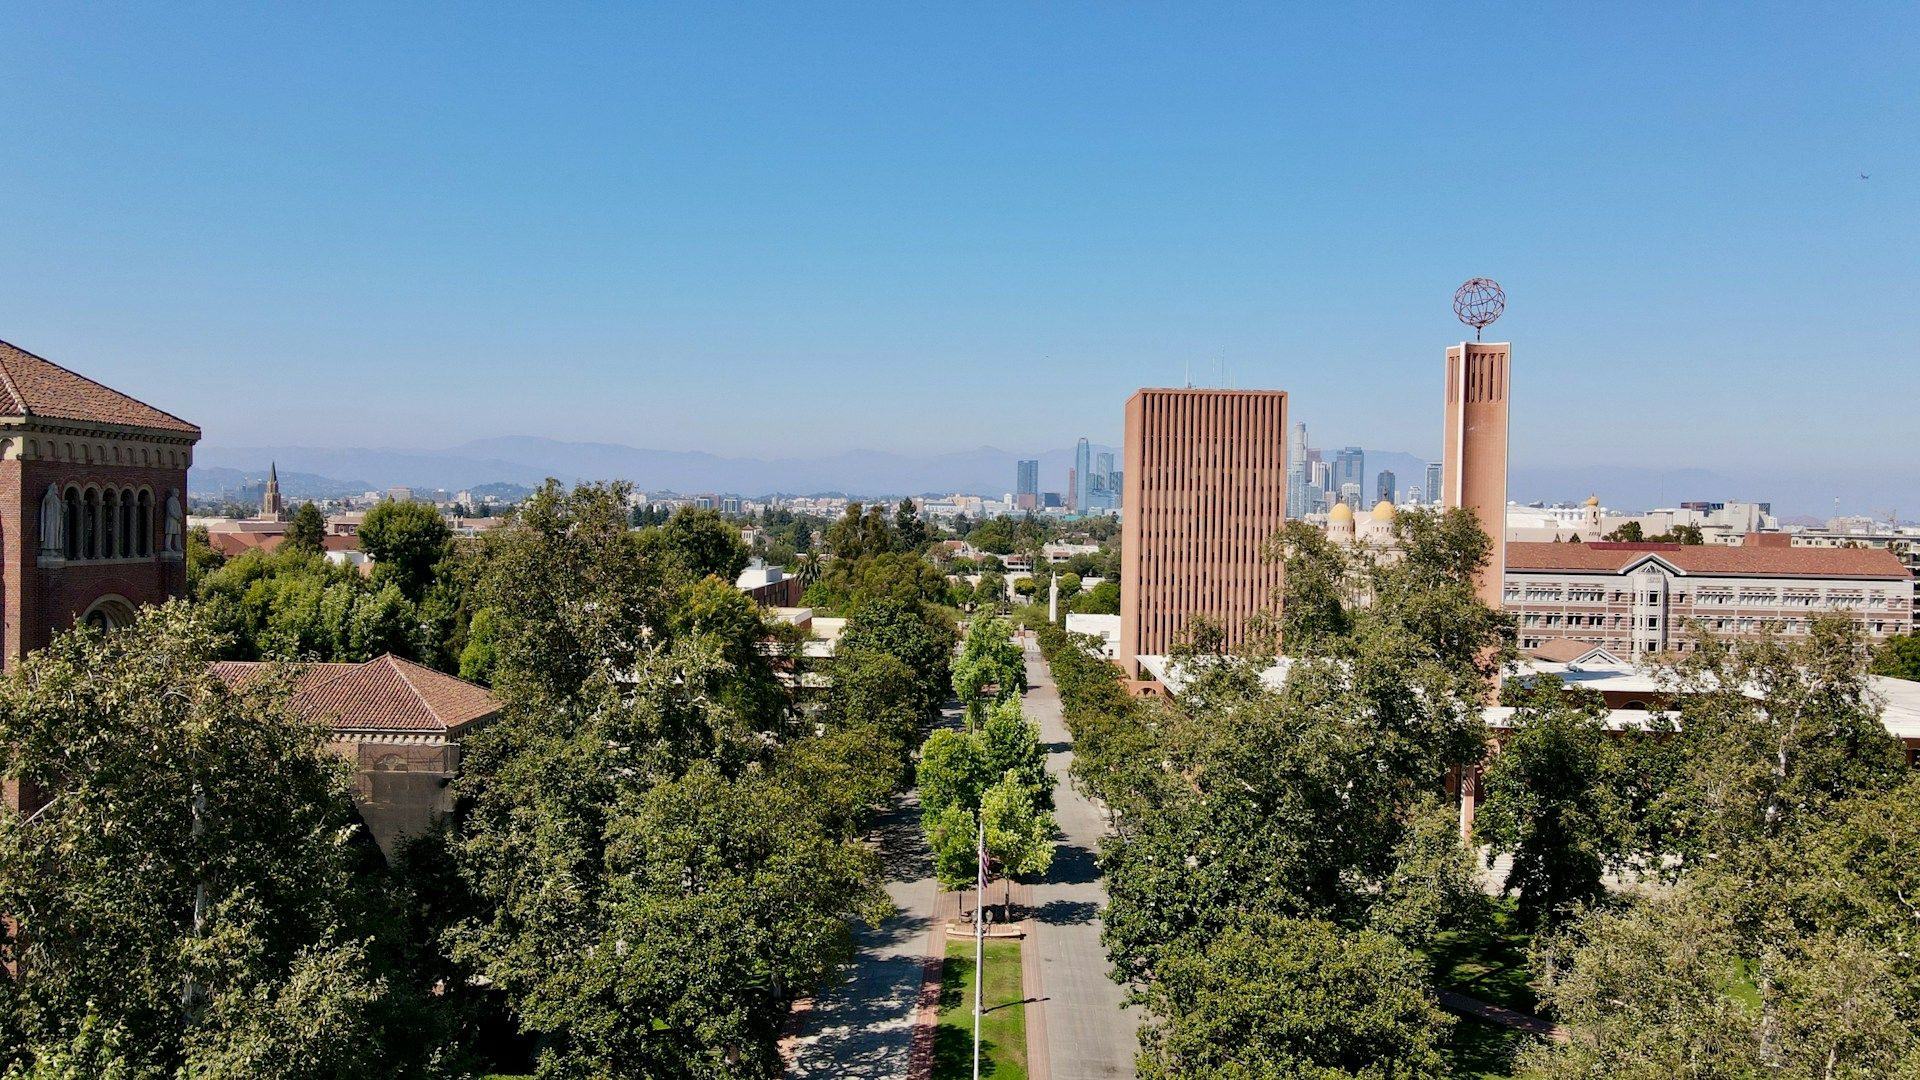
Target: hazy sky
point(799, 228)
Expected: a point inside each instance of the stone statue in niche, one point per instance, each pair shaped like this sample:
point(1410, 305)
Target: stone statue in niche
point(176, 540)
point(53, 523)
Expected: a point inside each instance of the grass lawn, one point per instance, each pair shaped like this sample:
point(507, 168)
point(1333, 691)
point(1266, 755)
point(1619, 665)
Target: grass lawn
point(1490, 964)
point(1003, 1031)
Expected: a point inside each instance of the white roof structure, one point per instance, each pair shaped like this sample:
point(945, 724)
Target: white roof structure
point(1899, 698)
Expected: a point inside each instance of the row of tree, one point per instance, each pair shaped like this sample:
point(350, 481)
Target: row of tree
point(657, 845)
point(985, 789)
point(1285, 859)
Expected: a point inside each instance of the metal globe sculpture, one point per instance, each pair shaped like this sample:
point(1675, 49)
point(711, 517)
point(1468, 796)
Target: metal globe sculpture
point(1479, 302)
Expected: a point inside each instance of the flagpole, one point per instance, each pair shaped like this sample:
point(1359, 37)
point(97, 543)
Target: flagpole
point(979, 901)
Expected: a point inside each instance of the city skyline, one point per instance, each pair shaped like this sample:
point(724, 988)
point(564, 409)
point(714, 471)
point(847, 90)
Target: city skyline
point(602, 253)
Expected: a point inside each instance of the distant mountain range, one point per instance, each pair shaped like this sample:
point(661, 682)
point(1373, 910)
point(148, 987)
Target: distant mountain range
point(314, 472)
point(524, 460)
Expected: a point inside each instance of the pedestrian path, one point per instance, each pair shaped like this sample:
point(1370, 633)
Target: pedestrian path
point(1078, 1029)
point(865, 1025)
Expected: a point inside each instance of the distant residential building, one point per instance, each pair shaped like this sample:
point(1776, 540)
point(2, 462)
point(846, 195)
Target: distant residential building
point(1638, 598)
point(1350, 493)
point(1386, 486)
point(400, 494)
point(1206, 480)
point(1059, 553)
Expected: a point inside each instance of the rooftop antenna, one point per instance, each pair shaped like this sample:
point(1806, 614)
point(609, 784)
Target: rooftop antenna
point(1189, 374)
point(1478, 303)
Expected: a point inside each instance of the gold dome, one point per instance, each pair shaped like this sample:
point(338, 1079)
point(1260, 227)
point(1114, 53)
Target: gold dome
point(1340, 512)
point(1383, 511)
point(1593, 500)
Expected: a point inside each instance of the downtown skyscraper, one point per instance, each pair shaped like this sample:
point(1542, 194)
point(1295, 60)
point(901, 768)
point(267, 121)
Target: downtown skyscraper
point(1350, 467)
point(1026, 484)
point(1082, 477)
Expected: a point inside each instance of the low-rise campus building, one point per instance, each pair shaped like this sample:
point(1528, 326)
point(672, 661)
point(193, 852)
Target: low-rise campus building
point(1641, 598)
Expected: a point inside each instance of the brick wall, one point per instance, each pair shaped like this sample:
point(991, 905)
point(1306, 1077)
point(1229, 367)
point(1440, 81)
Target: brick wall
point(40, 600)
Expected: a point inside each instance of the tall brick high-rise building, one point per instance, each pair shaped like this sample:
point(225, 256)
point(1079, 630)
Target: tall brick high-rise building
point(1205, 486)
point(1474, 450)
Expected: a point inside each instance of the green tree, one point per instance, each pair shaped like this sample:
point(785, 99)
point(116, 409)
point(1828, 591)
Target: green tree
point(1547, 802)
point(1019, 832)
point(912, 633)
point(1654, 990)
point(1433, 886)
point(202, 558)
point(659, 859)
point(1102, 599)
point(1899, 657)
point(477, 659)
point(405, 540)
point(1628, 533)
point(189, 900)
point(907, 523)
point(308, 530)
point(701, 542)
point(989, 657)
point(1279, 999)
point(954, 770)
point(1010, 744)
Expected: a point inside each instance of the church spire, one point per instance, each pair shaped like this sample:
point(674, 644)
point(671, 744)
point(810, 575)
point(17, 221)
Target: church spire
point(271, 508)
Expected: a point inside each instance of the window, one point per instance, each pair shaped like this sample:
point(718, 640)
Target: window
point(73, 523)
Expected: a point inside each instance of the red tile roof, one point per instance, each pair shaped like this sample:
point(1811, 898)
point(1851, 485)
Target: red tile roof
point(1561, 650)
point(234, 542)
point(385, 694)
point(1716, 559)
point(33, 386)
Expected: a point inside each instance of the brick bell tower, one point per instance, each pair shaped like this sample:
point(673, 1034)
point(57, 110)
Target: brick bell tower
point(93, 505)
point(1474, 454)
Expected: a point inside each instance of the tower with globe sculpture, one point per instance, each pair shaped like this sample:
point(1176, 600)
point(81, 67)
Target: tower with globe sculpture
point(1474, 454)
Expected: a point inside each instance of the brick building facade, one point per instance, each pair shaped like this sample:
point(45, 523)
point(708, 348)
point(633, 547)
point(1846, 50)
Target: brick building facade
point(1640, 598)
point(93, 497)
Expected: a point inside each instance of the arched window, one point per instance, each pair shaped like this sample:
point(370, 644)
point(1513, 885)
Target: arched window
point(146, 523)
point(128, 548)
point(73, 523)
point(90, 523)
point(109, 523)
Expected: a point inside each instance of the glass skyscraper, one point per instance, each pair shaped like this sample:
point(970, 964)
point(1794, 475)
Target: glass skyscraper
point(1082, 477)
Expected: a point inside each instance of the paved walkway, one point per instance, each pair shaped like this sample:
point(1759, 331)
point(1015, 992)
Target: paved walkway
point(865, 1025)
point(1077, 1030)
point(1486, 1010)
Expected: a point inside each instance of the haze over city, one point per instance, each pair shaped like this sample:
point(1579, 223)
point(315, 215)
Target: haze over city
point(695, 229)
point(1056, 542)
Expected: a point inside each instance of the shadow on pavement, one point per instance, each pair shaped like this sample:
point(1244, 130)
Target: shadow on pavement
point(1073, 865)
point(1067, 912)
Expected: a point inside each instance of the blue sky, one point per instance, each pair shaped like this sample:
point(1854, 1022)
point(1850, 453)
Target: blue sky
point(796, 228)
